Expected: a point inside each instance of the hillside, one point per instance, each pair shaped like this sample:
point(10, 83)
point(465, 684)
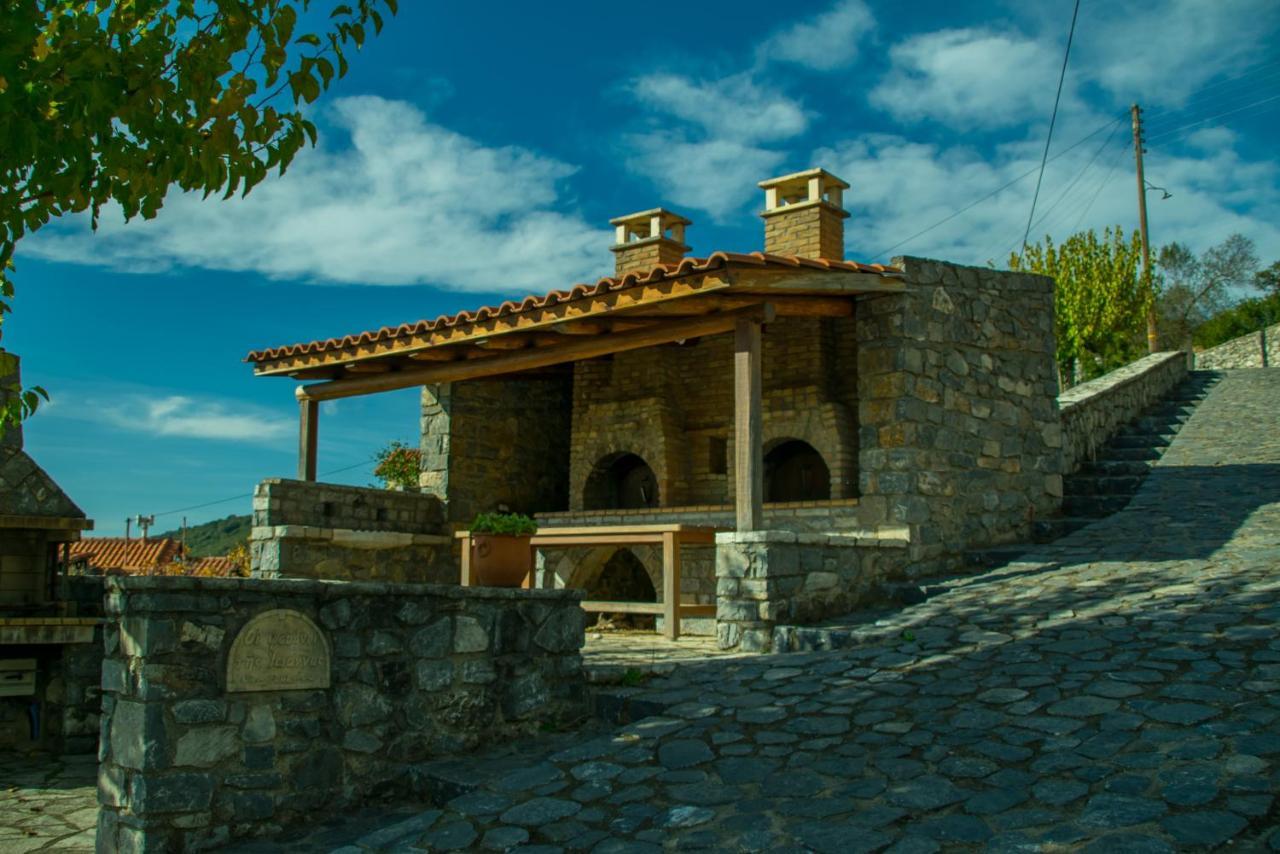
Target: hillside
point(214, 538)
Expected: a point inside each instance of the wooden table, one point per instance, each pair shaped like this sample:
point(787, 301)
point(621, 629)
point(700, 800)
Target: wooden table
point(670, 537)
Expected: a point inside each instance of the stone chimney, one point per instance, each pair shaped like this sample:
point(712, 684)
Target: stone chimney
point(804, 215)
point(647, 239)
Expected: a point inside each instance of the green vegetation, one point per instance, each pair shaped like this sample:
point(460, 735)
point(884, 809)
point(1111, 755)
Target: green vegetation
point(506, 524)
point(215, 539)
point(108, 101)
point(398, 465)
point(1100, 301)
point(1244, 317)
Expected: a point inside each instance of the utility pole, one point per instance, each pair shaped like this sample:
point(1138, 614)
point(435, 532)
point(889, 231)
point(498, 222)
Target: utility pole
point(1152, 342)
point(144, 524)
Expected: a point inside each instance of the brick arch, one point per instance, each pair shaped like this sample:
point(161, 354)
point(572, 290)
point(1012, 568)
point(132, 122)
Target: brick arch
point(647, 428)
point(828, 429)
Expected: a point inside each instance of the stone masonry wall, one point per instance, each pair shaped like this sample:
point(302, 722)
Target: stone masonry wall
point(1256, 350)
point(416, 672)
point(1092, 412)
point(960, 437)
point(767, 579)
point(322, 530)
point(497, 444)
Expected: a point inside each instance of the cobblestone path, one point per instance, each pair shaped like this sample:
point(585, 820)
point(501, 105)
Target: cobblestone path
point(47, 803)
point(1116, 691)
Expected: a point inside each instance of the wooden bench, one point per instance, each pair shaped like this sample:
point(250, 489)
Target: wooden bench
point(670, 537)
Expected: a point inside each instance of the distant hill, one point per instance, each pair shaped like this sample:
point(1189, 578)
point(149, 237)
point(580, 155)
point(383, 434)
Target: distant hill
point(216, 538)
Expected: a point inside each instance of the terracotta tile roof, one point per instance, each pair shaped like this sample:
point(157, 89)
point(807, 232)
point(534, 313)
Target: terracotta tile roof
point(686, 267)
point(132, 555)
point(212, 566)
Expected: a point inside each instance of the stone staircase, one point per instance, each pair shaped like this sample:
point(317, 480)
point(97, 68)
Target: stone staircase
point(1108, 482)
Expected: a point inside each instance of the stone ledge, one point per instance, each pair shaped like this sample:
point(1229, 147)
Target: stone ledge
point(326, 587)
point(348, 537)
point(1085, 393)
point(891, 538)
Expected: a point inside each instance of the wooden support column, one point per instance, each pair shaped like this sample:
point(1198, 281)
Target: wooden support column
point(748, 469)
point(671, 585)
point(308, 427)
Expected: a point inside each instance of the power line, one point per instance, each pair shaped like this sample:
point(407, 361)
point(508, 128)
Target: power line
point(1053, 118)
point(1269, 69)
point(1115, 164)
point(1188, 127)
point(998, 190)
point(250, 494)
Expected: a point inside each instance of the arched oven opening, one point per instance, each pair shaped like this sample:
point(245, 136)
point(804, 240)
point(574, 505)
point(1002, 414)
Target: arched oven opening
point(795, 471)
point(620, 481)
point(622, 578)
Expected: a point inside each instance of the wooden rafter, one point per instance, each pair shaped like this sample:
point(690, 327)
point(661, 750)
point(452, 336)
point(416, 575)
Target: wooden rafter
point(520, 360)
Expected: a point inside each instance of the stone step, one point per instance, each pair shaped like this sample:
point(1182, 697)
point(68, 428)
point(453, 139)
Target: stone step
point(1048, 530)
point(983, 559)
point(1140, 440)
point(1129, 454)
point(1094, 506)
point(1102, 484)
point(1114, 468)
point(1154, 424)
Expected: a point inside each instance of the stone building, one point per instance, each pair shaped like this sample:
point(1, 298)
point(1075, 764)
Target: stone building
point(50, 634)
point(845, 427)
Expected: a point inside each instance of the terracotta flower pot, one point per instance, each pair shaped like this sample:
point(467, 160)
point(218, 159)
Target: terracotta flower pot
point(500, 560)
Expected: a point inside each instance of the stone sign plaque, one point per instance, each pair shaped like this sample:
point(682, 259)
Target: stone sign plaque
point(278, 650)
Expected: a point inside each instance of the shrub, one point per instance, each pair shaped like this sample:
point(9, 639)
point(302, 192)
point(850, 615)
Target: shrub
point(398, 465)
point(507, 524)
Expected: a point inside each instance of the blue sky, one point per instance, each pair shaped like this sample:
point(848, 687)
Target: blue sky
point(477, 152)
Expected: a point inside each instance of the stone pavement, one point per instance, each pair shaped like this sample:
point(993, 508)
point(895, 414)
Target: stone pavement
point(1118, 690)
point(1115, 691)
point(47, 803)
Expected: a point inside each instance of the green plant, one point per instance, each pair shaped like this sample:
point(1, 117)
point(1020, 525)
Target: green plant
point(504, 524)
point(398, 465)
point(633, 677)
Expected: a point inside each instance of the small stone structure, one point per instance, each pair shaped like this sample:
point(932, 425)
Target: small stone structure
point(321, 530)
point(409, 672)
point(1259, 349)
point(1093, 411)
point(50, 637)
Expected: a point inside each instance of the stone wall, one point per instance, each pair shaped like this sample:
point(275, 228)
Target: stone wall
point(497, 445)
point(1092, 412)
point(412, 672)
point(1259, 349)
point(960, 438)
point(304, 529)
point(770, 578)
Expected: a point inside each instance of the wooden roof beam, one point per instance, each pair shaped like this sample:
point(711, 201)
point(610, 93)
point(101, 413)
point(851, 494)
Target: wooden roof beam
point(523, 360)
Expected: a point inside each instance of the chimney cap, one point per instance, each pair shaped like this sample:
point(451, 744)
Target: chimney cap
point(668, 217)
point(804, 176)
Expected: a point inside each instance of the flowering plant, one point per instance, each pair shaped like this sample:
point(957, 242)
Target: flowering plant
point(398, 465)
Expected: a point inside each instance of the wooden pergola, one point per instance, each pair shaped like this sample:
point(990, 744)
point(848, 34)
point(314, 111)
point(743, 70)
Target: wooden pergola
point(698, 297)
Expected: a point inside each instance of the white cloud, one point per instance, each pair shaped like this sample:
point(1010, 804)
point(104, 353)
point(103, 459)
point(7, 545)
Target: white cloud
point(408, 202)
point(901, 187)
point(179, 416)
point(1161, 52)
point(713, 159)
point(969, 78)
point(827, 41)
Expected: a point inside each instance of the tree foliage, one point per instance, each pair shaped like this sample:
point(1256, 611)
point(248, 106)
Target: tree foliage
point(1268, 280)
point(1243, 318)
point(1100, 301)
point(1193, 289)
point(120, 100)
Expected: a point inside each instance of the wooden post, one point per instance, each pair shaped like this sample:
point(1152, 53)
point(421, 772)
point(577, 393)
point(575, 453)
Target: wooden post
point(748, 469)
point(465, 560)
point(308, 425)
point(671, 585)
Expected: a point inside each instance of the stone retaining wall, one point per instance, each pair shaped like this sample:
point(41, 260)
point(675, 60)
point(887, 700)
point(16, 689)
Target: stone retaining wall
point(1092, 412)
point(304, 529)
point(770, 578)
point(1256, 350)
point(413, 671)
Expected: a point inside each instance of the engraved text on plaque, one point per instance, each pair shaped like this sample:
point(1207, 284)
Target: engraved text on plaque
point(279, 650)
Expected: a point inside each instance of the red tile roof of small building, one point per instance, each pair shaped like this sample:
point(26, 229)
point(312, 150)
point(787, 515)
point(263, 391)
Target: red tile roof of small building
point(686, 267)
point(131, 555)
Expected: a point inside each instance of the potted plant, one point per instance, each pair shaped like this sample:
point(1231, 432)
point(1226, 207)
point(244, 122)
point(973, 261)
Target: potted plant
point(398, 466)
point(500, 552)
